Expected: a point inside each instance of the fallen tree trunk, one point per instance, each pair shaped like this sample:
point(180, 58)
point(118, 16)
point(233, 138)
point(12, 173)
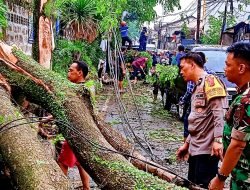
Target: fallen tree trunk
point(30, 167)
point(59, 97)
point(121, 144)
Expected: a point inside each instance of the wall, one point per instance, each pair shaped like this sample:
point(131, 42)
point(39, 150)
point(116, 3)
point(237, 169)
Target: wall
point(17, 32)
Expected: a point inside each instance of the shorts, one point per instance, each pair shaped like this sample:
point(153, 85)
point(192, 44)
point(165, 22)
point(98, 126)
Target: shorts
point(67, 157)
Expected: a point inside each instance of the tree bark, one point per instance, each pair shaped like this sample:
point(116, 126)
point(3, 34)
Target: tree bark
point(62, 99)
point(30, 167)
point(119, 143)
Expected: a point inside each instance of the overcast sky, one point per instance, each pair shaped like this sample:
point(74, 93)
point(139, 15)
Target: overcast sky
point(191, 6)
point(183, 3)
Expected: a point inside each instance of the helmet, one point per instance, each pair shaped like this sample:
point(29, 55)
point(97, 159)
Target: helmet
point(123, 23)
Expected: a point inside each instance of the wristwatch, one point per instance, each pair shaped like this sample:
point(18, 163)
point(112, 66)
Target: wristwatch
point(218, 139)
point(221, 176)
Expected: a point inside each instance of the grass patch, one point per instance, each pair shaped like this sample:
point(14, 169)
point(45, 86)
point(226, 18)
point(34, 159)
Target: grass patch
point(143, 100)
point(178, 125)
point(171, 157)
point(164, 135)
point(114, 122)
point(160, 113)
point(101, 97)
point(140, 100)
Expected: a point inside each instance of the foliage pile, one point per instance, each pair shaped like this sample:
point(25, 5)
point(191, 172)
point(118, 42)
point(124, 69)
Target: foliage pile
point(130, 54)
point(164, 74)
point(164, 135)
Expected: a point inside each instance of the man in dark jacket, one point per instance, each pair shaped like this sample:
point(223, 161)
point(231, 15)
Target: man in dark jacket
point(143, 39)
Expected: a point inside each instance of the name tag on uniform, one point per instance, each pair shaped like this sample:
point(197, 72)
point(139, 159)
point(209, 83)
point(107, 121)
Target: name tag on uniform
point(200, 96)
point(199, 100)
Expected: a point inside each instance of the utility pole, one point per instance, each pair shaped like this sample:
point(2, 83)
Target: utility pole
point(165, 38)
point(204, 12)
point(224, 21)
point(159, 35)
point(232, 7)
point(198, 21)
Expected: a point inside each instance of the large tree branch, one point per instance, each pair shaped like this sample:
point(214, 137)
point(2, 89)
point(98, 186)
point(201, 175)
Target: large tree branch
point(30, 167)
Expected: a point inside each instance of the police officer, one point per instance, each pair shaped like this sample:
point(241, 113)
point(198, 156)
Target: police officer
point(208, 105)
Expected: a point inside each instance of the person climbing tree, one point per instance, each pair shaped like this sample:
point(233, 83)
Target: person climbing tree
point(124, 34)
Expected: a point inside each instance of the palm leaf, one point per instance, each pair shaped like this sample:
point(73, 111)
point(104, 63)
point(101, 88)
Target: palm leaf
point(78, 16)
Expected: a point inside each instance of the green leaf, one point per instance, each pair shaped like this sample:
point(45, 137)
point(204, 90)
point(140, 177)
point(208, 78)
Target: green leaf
point(3, 15)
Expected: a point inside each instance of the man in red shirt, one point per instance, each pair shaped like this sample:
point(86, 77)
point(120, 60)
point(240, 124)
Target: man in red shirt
point(67, 159)
point(138, 66)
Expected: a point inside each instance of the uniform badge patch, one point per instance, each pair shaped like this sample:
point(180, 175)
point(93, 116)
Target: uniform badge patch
point(214, 87)
point(210, 81)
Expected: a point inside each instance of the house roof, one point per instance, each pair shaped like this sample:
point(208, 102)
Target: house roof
point(234, 29)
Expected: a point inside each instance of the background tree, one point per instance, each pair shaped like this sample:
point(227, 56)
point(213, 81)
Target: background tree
point(212, 35)
point(144, 8)
point(134, 30)
point(78, 17)
point(85, 21)
point(111, 11)
point(185, 29)
point(82, 18)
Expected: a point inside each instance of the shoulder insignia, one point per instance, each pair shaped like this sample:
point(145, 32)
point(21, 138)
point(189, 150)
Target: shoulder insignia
point(214, 87)
point(210, 81)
